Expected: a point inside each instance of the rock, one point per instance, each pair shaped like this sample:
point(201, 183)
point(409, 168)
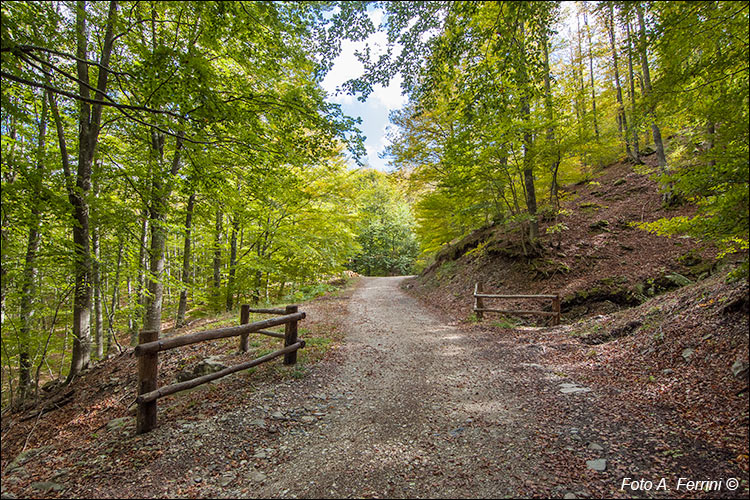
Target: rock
point(118, 423)
point(568, 388)
point(256, 476)
point(308, 419)
point(687, 353)
point(226, 481)
point(667, 371)
point(570, 496)
point(599, 464)
point(259, 422)
point(205, 367)
point(278, 415)
point(595, 447)
point(25, 456)
point(47, 486)
point(60, 473)
point(740, 368)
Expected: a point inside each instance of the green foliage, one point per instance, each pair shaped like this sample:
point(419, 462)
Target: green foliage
point(386, 228)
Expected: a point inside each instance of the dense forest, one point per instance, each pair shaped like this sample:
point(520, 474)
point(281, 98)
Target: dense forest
point(166, 160)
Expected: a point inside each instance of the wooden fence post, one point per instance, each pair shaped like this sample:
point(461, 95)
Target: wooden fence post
point(244, 319)
point(148, 368)
point(478, 301)
point(290, 336)
point(556, 309)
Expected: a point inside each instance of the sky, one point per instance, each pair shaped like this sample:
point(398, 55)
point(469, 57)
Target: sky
point(383, 100)
point(374, 112)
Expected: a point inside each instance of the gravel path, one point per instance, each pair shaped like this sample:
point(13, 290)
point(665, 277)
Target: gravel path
point(419, 412)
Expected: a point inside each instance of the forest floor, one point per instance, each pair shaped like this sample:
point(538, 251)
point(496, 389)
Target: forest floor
point(411, 402)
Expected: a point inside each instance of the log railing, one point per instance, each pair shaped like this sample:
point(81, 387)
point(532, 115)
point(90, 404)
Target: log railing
point(480, 309)
point(148, 356)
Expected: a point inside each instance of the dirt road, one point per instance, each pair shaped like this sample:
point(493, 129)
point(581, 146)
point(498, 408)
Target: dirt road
point(419, 410)
point(409, 405)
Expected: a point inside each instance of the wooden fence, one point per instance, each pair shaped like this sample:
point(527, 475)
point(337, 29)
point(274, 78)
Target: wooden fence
point(480, 309)
point(148, 356)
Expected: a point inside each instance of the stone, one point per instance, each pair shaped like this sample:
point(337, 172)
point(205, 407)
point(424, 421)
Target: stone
point(739, 367)
point(308, 419)
point(259, 422)
point(595, 447)
point(278, 415)
point(205, 367)
point(667, 371)
point(226, 481)
point(256, 476)
point(599, 464)
point(687, 353)
point(568, 388)
point(47, 486)
point(25, 456)
point(118, 423)
point(570, 496)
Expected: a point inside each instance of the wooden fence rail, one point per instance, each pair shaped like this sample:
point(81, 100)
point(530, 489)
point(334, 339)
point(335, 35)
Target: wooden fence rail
point(480, 309)
point(148, 356)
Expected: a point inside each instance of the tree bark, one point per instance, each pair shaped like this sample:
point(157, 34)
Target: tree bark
point(528, 138)
point(96, 280)
point(591, 73)
point(549, 108)
point(115, 299)
point(160, 196)
point(622, 122)
point(217, 256)
point(232, 264)
point(141, 278)
point(633, 109)
point(186, 278)
point(30, 270)
point(655, 131)
point(89, 124)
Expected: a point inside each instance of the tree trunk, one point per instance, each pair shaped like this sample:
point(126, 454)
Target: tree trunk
point(186, 279)
point(160, 197)
point(30, 270)
point(667, 196)
point(96, 282)
point(115, 297)
point(633, 109)
point(528, 138)
point(591, 72)
point(89, 124)
point(622, 122)
point(217, 256)
point(141, 278)
point(549, 108)
point(232, 264)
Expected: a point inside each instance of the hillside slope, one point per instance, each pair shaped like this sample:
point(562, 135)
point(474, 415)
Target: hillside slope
point(601, 263)
point(646, 319)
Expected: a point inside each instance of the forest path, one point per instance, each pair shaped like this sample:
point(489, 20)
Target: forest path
point(418, 410)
